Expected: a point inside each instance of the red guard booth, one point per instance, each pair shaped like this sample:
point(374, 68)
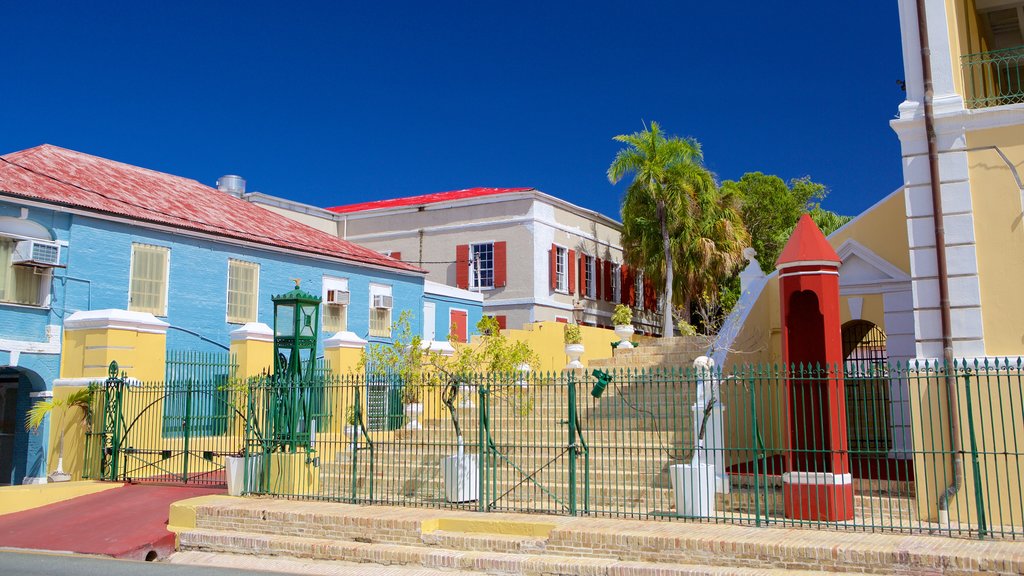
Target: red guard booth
point(817, 484)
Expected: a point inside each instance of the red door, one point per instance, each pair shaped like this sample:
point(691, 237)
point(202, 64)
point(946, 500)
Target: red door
point(459, 322)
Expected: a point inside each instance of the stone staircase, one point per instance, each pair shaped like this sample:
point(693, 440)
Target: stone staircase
point(678, 352)
point(516, 544)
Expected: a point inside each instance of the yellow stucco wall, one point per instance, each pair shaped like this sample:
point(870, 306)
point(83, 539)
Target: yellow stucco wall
point(547, 340)
point(999, 234)
point(88, 353)
point(882, 229)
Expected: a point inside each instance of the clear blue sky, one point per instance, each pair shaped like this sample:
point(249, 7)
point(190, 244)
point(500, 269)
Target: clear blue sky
point(337, 102)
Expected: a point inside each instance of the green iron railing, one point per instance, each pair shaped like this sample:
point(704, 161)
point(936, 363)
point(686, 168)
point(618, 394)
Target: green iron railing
point(757, 446)
point(993, 78)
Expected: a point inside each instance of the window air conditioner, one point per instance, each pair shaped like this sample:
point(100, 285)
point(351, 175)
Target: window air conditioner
point(382, 301)
point(337, 297)
point(36, 253)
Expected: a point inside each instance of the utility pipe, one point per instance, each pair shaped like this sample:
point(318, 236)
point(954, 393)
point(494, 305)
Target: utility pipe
point(940, 257)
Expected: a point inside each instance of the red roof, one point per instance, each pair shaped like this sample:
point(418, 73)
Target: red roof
point(425, 199)
point(807, 244)
point(65, 177)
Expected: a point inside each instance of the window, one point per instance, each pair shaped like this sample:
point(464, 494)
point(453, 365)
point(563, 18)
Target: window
point(147, 291)
point(336, 298)
point(589, 277)
point(243, 291)
point(481, 266)
point(19, 284)
point(380, 310)
point(639, 287)
point(561, 269)
point(617, 283)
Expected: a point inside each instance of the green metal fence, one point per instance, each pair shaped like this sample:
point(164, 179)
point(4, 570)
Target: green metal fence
point(758, 446)
point(174, 431)
point(994, 78)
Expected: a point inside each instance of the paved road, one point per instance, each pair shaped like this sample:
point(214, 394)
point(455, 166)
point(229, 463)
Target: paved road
point(44, 564)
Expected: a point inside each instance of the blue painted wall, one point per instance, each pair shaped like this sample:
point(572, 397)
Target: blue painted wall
point(442, 309)
point(98, 259)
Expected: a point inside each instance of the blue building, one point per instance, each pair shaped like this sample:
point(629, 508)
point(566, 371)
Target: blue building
point(78, 232)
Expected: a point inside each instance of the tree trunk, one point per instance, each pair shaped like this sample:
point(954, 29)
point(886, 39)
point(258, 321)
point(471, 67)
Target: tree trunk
point(666, 322)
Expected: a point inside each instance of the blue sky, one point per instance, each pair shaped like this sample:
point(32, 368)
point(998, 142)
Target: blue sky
point(339, 102)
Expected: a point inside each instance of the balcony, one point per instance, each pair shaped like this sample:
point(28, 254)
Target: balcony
point(994, 78)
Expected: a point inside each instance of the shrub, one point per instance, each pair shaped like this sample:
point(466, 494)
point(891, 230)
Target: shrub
point(573, 334)
point(622, 316)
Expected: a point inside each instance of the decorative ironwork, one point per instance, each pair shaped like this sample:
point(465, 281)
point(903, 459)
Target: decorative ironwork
point(994, 78)
point(868, 410)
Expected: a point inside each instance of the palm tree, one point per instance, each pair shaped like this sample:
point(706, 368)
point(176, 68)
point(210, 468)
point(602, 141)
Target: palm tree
point(81, 399)
point(665, 171)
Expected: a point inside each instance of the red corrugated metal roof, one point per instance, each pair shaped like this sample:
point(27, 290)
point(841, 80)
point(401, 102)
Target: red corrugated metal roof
point(60, 176)
point(425, 199)
point(807, 244)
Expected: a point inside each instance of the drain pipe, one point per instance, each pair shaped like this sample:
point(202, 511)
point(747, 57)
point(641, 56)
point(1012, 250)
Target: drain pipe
point(940, 257)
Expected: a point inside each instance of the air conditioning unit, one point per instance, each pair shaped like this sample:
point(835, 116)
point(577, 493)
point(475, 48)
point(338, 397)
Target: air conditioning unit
point(337, 297)
point(382, 301)
point(36, 253)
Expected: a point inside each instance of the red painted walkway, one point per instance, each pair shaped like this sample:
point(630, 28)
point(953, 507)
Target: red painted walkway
point(126, 522)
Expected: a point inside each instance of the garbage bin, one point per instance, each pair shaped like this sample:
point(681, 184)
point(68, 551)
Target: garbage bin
point(694, 487)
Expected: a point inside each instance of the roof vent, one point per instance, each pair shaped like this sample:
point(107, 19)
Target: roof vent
point(231, 184)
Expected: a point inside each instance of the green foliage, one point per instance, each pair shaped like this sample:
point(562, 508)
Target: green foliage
point(770, 209)
point(572, 334)
point(622, 315)
point(827, 220)
point(404, 357)
point(80, 399)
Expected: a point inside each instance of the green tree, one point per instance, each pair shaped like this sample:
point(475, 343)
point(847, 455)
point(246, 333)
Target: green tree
point(79, 399)
point(770, 208)
point(667, 176)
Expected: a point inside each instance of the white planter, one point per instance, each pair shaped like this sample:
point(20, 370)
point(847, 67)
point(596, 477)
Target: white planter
point(460, 478)
point(624, 332)
point(694, 487)
point(412, 414)
point(234, 470)
point(353, 432)
point(574, 351)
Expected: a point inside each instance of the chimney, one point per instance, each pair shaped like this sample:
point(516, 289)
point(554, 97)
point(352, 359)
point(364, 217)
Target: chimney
point(234, 185)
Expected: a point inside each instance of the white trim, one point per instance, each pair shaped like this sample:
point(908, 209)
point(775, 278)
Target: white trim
point(829, 263)
point(810, 273)
point(531, 301)
point(51, 346)
point(438, 289)
point(184, 232)
point(34, 480)
point(227, 291)
point(344, 339)
point(115, 319)
point(817, 478)
point(167, 276)
point(252, 331)
point(41, 394)
point(441, 347)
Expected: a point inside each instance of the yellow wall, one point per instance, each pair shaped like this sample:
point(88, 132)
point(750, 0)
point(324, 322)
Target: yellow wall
point(548, 341)
point(999, 234)
point(18, 498)
point(883, 230)
point(88, 353)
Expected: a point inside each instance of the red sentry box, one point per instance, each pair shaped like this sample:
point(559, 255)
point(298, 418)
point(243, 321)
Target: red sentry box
point(821, 496)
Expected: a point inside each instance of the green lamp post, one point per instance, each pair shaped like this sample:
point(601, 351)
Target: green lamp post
point(296, 326)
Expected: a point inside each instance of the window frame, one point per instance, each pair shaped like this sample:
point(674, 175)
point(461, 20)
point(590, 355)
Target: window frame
point(380, 289)
point(337, 283)
point(616, 282)
point(473, 247)
point(561, 269)
point(255, 295)
point(590, 286)
point(166, 279)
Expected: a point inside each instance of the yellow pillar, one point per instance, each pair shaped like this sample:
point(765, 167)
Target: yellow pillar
point(342, 353)
point(252, 346)
point(91, 340)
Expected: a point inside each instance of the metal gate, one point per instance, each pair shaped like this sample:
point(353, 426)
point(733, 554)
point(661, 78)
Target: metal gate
point(177, 431)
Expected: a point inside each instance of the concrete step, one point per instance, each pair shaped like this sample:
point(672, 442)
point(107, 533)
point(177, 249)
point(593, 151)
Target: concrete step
point(477, 553)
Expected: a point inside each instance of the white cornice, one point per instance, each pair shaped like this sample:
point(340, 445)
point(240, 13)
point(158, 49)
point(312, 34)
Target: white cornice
point(114, 319)
point(344, 340)
point(252, 331)
point(286, 204)
point(51, 346)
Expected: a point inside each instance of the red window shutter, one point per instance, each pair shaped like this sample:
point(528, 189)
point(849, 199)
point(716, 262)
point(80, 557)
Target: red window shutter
point(597, 279)
point(561, 320)
point(628, 287)
point(396, 255)
point(499, 265)
point(571, 265)
point(553, 265)
point(502, 321)
point(462, 266)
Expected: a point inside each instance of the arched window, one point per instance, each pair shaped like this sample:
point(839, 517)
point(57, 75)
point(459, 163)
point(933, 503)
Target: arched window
point(22, 281)
point(868, 411)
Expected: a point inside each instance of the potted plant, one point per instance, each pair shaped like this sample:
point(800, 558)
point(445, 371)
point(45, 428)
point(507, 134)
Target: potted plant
point(79, 399)
point(573, 345)
point(622, 319)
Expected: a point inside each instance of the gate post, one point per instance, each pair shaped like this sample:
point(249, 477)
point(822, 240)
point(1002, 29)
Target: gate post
point(91, 340)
